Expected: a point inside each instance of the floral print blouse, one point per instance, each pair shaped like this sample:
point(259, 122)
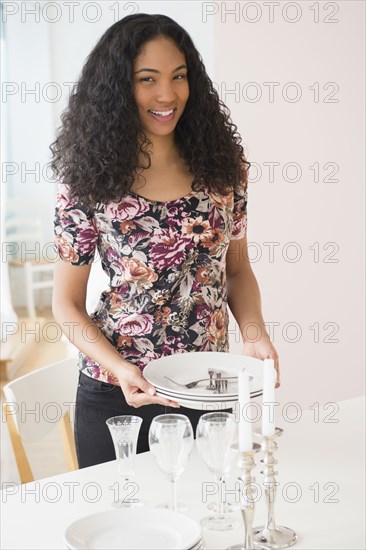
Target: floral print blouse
point(166, 267)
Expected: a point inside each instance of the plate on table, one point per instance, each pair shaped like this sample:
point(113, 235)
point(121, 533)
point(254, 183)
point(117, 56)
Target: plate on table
point(188, 366)
point(134, 529)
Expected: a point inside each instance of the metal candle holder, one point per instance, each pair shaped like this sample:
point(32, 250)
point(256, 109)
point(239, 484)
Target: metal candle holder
point(246, 463)
point(271, 536)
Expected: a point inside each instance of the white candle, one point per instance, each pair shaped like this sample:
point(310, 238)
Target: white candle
point(269, 381)
point(245, 426)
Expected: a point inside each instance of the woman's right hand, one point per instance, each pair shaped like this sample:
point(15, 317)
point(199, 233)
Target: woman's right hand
point(137, 390)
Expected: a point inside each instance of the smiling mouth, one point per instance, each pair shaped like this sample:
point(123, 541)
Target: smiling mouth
point(163, 116)
point(162, 110)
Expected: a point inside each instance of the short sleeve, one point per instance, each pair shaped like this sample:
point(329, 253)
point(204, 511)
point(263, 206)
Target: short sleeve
point(240, 221)
point(75, 233)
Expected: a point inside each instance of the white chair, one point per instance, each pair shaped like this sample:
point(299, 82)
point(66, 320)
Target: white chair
point(25, 240)
point(34, 403)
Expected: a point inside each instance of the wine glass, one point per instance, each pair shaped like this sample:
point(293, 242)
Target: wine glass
point(124, 431)
point(228, 506)
point(171, 443)
point(215, 435)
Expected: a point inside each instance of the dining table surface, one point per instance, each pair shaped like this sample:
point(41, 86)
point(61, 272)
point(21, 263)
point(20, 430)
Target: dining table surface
point(320, 492)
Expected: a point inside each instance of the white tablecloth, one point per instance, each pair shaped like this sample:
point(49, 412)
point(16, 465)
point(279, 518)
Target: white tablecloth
point(320, 493)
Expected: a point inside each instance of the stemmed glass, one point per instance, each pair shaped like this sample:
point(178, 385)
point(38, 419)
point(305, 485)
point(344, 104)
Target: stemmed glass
point(124, 431)
point(171, 443)
point(227, 506)
point(215, 435)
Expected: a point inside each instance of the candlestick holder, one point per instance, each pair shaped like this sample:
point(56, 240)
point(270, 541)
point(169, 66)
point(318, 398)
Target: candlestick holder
point(246, 463)
point(271, 536)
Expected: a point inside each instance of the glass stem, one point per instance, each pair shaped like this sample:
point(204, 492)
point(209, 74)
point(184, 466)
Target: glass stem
point(219, 505)
point(173, 485)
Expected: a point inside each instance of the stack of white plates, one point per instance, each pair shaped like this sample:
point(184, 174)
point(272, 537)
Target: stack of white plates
point(187, 367)
point(135, 529)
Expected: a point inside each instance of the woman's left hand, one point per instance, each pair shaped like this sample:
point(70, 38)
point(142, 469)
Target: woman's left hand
point(263, 349)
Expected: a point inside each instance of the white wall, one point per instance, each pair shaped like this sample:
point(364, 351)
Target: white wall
point(319, 301)
point(8, 314)
point(29, 118)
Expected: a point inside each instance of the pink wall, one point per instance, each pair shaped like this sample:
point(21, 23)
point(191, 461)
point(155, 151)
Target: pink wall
point(324, 289)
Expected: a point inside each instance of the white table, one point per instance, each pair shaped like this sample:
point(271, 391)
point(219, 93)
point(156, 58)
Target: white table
point(318, 461)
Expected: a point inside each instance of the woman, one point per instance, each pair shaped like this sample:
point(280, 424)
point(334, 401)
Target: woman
point(153, 176)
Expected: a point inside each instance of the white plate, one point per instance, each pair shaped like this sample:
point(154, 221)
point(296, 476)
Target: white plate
point(216, 397)
point(186, 367)
point(207, 405)
point(198, 546)
point(134, 529)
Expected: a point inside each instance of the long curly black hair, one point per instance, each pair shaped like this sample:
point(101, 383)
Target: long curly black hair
point(98, 144)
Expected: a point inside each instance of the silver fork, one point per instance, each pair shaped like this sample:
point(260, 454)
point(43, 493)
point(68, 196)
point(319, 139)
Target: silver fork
point(190, 385)
point(193, 384)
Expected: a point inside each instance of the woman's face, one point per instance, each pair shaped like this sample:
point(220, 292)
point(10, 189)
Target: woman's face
point(160, 84)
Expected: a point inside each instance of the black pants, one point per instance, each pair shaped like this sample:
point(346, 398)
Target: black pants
point(96, 402)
